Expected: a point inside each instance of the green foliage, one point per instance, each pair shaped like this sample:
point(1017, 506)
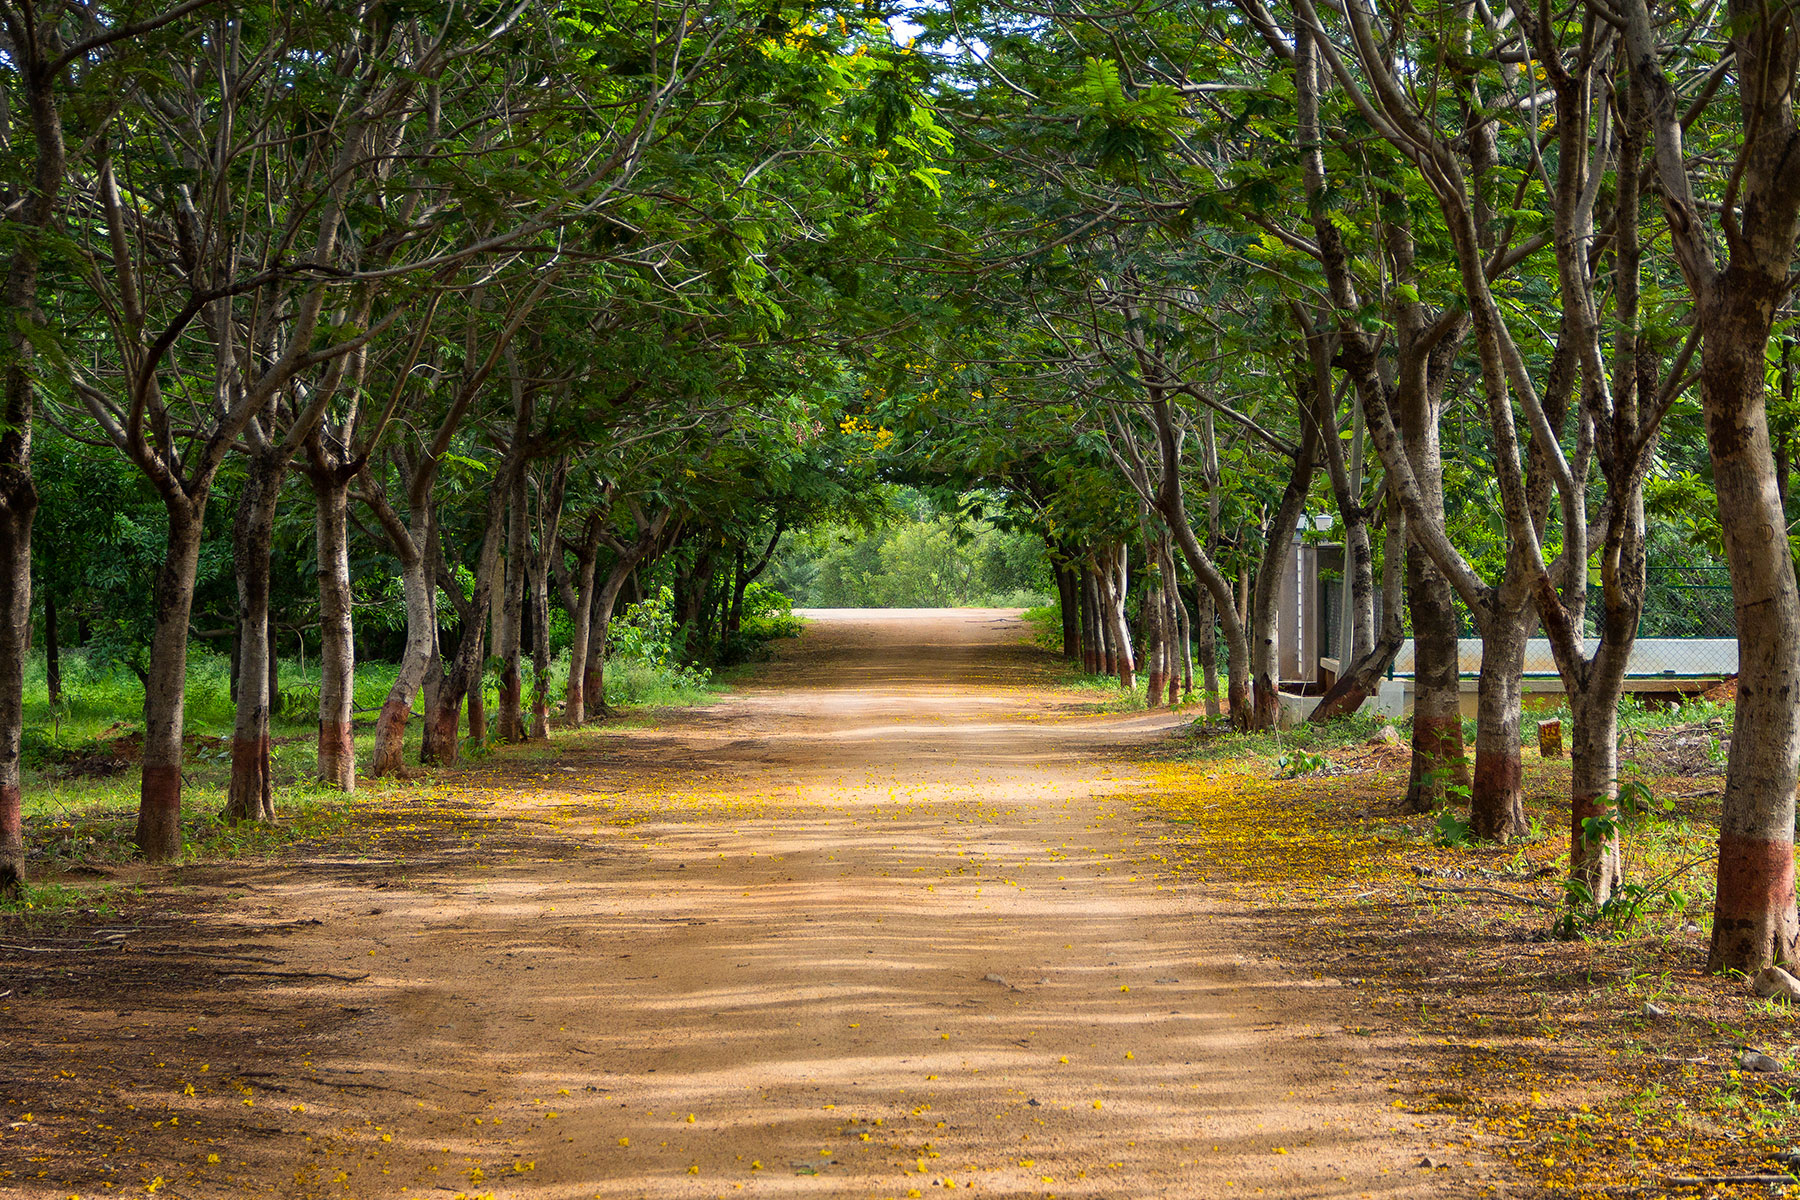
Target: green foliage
point(1301, 764)
point(646, 633)
point(1453, 829)
point(919, 557)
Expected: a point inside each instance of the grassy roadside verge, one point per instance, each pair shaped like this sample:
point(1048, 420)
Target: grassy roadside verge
point(1607, 1063)
point(81, 778)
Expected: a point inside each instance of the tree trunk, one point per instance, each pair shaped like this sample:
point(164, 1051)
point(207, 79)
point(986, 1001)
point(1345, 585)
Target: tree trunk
point(1754, 921)
point(1206, 629)
point(52, 650)
point(18, 504)
point(416, 660)
point(1184, 636)
point(337, 632)
point(1126, 664)
point(158, 835)
point(1156, 645)
point(1359, 679)
point(29, 213)
point(579, 599)
point(1497, 794)
point(1090, 641)
point(1595, 860)
point(593, 673)
point(274, 653)
point(1439, 766)
point(1105, 650)
point(604, 601)
point(250, 795)
point(1067, 608)
point(477, 729)
point(540, 651)
point(510, 723)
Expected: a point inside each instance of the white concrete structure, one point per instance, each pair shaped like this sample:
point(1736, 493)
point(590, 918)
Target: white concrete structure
point(1656, 664)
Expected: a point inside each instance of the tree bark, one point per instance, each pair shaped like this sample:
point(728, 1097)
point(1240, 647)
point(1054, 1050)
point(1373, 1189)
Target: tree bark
point(1360, 679)
point(337, 644)
point(1172, 505)
point(1497, 794)
point(549, 545)
point(158, 834)
point(1439, 765)
point(420, 652)
point(1278, 546)
point(509, 721)
point(1754, 918)
point(250, 795)
point(1596, 862)
point(1155, 645)
point(27, 218)
point(1206, 628)
point(1113, 583)
point(1084, 597)
point(52, 650)
point(578, 598)
point(1105, 650)
point(18, 504)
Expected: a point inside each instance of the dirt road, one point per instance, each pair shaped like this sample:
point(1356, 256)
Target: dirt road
point(875, 924)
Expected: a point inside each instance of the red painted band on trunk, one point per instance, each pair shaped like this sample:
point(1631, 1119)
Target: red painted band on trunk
point(1756, 877)
point(12, 817)
point(161, 788)
point(1498, 770)
point(336, 740)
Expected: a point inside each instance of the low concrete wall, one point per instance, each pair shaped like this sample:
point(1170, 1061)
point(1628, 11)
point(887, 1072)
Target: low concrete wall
point(1656, 664)
point(1649, 656)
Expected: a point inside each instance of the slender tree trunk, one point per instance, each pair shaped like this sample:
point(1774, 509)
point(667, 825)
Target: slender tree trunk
point(158, 835)
point(604, 601)
point(511, 721)
point(18, 504)
point(1124, 664)
point(1090, 642)
point(1754, 921)
point(1596, 862)
point(250, 795)
point(29, 214)
point(1361, 678)
point(1265, 669)
point(1185, 637)
point(416, 661)
point(1207, 630)
point(580, 602)
point(540, 653)
point(337, 632)
point(1104, 650)
point(1156, 645)
point(52, 650)
point(1439, 766)
point(1497, 794)
point(1067, 609)
point(593, 674)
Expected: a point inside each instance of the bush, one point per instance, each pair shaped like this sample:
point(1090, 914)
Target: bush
point(645, 634)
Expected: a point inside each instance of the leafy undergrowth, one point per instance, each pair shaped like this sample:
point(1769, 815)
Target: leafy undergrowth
point(1604, 1064)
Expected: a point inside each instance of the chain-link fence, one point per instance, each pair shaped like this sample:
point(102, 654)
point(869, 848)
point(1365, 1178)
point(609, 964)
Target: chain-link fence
point(1685, 602)
point(1688, 631)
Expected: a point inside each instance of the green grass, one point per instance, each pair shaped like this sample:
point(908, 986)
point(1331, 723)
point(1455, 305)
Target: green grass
point(1045, 622)
point(75, 817)
point(1223, 742)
